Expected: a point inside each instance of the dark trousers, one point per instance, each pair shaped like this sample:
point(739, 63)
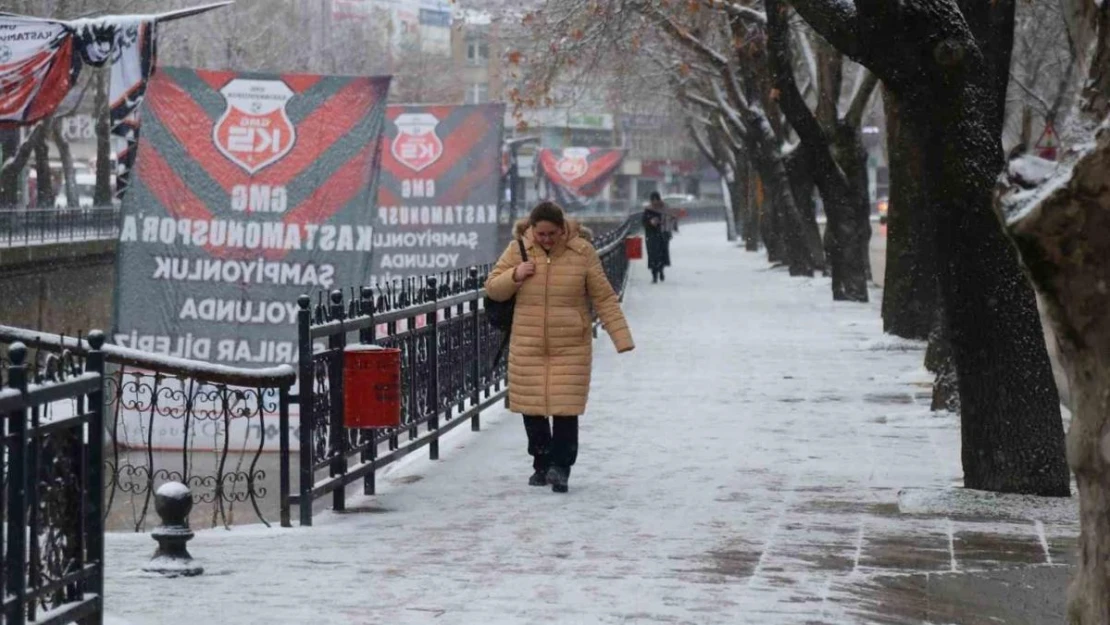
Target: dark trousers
point(552, 442)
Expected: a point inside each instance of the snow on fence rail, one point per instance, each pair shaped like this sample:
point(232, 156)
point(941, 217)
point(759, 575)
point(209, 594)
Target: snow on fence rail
point(168, 419)
point(21, 227)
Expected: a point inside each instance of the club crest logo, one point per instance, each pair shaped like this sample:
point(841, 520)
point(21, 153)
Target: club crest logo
point(255, 131)
point(417, 146)
point(574, 164)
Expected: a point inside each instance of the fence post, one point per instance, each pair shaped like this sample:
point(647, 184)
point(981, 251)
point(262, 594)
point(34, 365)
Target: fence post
point(432, 321)
point(368, 438)
point(94, 520)
point(337, 434)
point(476, 359)
point(283, 440)
point(17, 489)
point(305, 399)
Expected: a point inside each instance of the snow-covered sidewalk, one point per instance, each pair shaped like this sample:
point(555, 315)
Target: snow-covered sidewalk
point(743, 465)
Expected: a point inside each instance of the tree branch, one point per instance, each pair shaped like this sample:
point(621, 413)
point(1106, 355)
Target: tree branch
point(683, 36)
point(703, 147)
point(835, 20)
point(865, 89)
point(738, 10)
point(1045, 106)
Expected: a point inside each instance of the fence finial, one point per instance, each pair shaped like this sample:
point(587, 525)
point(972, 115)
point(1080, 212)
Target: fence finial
point(96, 339)
point(173, 502)
point(17, 353)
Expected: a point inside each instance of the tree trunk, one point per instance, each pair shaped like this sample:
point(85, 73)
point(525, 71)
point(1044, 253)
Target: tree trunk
point(738, 196)
point(1013, 438)
point(1064, 240)
point(788, 220)
point(771, 230)
point(852, 156)
point(800, 170)
point(938, 360)
point(753, 226)
point(13, 168)
point(910, 285)
point(69, 174)
point(1065, 243)
point(102, 196)
point(44, 184)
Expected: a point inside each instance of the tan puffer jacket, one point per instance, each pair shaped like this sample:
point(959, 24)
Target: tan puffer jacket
point(551, 349)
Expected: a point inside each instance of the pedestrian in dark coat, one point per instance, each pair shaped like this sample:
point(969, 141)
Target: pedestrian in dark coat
point(656, 222)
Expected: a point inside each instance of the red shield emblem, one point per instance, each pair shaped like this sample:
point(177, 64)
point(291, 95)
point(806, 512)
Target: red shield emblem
point(254, 131)
point(573, 165)
point(416, 145)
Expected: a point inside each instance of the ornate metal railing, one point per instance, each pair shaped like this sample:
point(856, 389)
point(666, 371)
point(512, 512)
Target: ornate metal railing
point(38, 226)
point(166, 419)
point(52, 529)
point(448, 375)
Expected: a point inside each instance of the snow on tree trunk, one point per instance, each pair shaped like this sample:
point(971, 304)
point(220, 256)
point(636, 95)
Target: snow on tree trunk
point(1011, 427)
point(1063, 234)
point(1058, 217)
point(909, 289)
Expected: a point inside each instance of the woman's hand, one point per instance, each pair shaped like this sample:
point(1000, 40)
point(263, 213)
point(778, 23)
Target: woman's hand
point(524, 271)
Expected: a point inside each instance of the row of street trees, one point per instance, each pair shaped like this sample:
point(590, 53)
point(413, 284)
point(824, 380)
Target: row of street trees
point(779, 89)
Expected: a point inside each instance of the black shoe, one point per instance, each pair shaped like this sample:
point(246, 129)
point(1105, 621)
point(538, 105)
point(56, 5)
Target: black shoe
point(539, 478)
point(557, 477)
point(662, 276)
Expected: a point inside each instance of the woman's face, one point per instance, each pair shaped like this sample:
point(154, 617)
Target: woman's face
point(547, 234)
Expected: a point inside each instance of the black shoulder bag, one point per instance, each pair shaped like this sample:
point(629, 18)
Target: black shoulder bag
point(500, 314)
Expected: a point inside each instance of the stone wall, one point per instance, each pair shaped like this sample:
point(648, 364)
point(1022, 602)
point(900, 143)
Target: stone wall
point(59, 288)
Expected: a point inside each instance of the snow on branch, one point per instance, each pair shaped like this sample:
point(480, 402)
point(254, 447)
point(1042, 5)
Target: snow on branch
point(738, 10)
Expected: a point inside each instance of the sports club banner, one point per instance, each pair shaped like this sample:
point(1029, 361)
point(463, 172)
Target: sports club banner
point(249, 190)
point(578, 175)
point(441, 177)
point(38, 65)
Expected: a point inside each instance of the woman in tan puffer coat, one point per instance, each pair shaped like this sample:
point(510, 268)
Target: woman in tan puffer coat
point(551, 345)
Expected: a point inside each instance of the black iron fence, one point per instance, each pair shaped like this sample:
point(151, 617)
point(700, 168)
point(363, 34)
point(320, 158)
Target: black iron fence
point(212, 428)
point(52, 530)
point(38, 226)
point(448, 374)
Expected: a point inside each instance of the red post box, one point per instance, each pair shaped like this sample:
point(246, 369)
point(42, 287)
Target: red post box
point(371, 387)
point(634, 248)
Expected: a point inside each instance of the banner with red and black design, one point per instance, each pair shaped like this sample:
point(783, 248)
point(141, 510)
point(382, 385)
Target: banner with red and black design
point(38, 65)
point(249, 190)
point(576, 176)
point(438, 198)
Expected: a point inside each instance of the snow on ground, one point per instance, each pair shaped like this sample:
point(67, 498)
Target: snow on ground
point(743, 465)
